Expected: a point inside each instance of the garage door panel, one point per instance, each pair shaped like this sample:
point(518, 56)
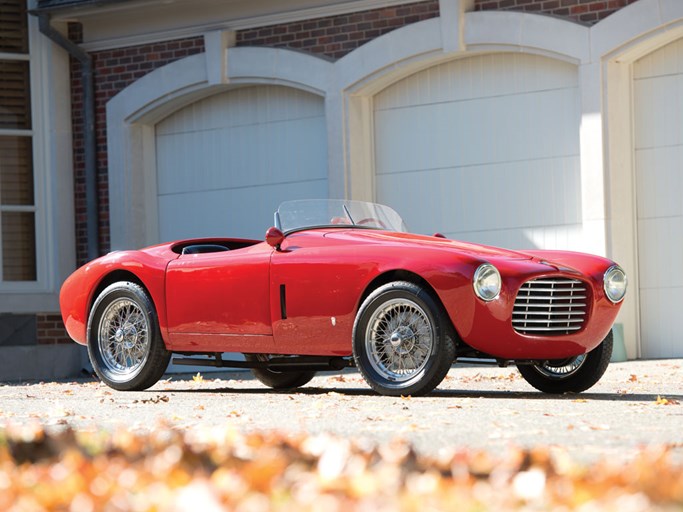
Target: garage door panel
point(252, 154)
point(241, 107)
point(665, 61)
point(659, 118)
point(487, 197)
point(227, 161)
point(549, 236)
point(243, 212)
point(658, 139)
point(661, 323)
point(484, 149)
point(438, 135)
point(661, 252)
point(473, 78)
point(659, 181)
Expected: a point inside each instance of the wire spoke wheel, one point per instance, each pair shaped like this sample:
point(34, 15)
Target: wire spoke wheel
point(123, 337)
point(125, 345)
point(561, 369)
point(399, 339)
point(571, 375)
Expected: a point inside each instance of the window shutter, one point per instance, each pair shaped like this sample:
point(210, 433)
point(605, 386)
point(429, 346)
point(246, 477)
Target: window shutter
point(13, 26)
point(15, 99)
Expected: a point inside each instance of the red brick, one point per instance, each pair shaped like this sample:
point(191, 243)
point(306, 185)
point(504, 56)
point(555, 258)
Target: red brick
point(585, 11)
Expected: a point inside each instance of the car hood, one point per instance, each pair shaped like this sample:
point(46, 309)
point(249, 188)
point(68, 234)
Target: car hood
point(410, 239)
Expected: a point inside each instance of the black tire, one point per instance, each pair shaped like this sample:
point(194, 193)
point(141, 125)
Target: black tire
point(124, 342)
point(387, 347)
point(572, 375)
point(279, 380)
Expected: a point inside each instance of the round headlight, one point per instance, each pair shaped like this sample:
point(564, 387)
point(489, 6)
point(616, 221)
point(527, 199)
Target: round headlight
point(487, 282)
point(615, 284)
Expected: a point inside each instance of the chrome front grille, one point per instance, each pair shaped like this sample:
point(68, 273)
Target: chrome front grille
point(550, 306)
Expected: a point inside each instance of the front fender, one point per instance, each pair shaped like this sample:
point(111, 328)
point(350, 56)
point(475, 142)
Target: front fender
point(78, 291)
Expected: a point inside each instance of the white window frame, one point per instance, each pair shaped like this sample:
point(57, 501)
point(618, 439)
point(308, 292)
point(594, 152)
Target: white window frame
point(36, 111)
point(53, 207)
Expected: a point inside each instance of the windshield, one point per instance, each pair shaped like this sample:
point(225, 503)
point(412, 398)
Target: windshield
point(338, 213)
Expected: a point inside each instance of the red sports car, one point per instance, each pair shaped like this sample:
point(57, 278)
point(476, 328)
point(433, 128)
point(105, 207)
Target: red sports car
point(338, 284)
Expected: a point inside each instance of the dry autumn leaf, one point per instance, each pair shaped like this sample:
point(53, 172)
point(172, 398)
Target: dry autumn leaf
point(666, 401)
point(169, 470)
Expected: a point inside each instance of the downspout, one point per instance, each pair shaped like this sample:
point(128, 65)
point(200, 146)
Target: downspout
point(89, 139)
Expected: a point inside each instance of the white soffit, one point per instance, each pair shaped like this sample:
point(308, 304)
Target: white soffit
point(134, 23)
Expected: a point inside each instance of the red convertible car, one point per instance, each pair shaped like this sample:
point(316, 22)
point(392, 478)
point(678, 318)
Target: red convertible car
point(338, 284)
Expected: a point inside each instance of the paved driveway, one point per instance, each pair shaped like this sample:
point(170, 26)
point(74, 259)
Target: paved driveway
point(636, 404)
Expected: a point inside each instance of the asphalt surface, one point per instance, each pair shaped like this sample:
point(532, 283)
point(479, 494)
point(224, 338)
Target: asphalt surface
point(636, 405)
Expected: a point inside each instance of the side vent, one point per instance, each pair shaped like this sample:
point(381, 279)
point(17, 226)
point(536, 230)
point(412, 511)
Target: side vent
point(283, 302)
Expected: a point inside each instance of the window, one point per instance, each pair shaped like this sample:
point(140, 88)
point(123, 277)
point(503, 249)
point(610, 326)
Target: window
point(17, 197)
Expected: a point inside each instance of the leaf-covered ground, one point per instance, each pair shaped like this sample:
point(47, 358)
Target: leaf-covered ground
point(218, 469)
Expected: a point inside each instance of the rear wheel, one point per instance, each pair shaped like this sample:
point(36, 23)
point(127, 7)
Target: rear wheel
point(572, 375)
point(279, 380)
point(401, 344)
point(124, 342)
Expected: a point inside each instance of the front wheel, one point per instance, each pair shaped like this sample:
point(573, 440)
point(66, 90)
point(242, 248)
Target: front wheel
point(401, 343)
point(279, 380)
point(572, 375)
point(124, 342)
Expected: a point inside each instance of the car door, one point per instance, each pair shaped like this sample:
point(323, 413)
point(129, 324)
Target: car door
point(219, 302)
point(316, 283)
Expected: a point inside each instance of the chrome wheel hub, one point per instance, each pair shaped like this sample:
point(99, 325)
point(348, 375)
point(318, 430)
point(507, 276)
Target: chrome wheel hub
point(399, 339)
point(123, 338)
point(403, 340)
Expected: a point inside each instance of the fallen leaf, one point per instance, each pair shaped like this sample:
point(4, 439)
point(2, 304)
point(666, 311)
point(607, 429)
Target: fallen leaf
point(198, 378)
point(155, 400)
point(666, 401)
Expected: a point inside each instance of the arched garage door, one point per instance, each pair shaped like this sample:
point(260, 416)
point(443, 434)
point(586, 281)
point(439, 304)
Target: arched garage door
point(484, 149)
point(658, 103)
point(225, 163)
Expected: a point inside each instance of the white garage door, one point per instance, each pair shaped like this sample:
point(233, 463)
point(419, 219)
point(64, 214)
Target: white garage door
point(226, 162)
point(658, 103)
point(484, 149)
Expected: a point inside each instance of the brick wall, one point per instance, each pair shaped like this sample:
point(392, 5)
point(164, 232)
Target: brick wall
point(114, 71)
point(585, 11)
point(50, 329)
point(335, 36)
